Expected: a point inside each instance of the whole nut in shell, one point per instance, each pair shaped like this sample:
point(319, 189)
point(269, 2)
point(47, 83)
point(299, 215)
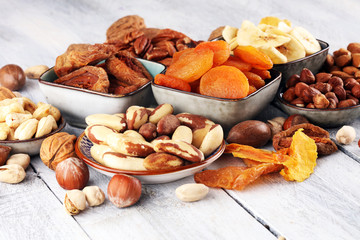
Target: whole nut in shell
point(94, 195)
point(20, 158)
point(72, 173)
point(12, 77)
point(75, 201)
point(12, 173)
point(191, 192)
point(57, 148)
point(124, 190)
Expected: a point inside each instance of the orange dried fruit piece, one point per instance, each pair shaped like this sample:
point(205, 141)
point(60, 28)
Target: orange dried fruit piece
point(177, 55)
point(232, 177)
point(191, 65)
point(172, 82)
point(255, 80)
point(253, 56)
point(220, 48)
point(224, 82)
point(299, 160)
point(252, 89)
point(264, 74)
point(238, 63)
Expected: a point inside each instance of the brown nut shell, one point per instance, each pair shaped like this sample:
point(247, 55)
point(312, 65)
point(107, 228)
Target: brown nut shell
point(167, 125)
point(57, 148)
point(251, 132)
point(181, 149)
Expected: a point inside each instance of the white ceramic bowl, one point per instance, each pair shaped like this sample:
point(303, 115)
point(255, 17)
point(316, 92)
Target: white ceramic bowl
point(31, 146)
point(76, 103)
point(82, 149)
point(226, 112)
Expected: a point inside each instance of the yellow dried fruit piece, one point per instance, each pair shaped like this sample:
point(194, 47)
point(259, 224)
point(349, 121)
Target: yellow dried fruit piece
point(303, 151)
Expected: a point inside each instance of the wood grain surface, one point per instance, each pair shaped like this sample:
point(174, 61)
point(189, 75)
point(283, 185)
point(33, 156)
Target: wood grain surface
point(325, 206)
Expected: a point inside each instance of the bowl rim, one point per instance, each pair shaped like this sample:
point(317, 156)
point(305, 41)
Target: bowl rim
point(62, 124)
point(283, 102)
point(273, 80)
point(93, 163)
point(109, 95)
point(326, 48)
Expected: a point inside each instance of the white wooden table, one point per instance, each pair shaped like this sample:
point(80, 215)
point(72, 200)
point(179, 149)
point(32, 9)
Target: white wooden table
point(325, 206)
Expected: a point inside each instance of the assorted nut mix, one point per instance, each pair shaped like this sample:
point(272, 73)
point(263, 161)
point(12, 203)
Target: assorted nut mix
point(323, 90)
point(151, 139)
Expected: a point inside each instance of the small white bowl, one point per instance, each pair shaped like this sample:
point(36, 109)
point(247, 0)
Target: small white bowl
point(31, 146)
point(82, 149)
point(76, 103)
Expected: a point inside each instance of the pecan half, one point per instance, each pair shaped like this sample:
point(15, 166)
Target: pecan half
point(141, 45)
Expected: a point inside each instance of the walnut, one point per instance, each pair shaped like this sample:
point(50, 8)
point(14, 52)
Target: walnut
point(57, 148)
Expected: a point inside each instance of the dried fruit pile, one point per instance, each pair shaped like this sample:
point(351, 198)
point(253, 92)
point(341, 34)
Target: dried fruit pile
point(274, 37)
point(209, 69)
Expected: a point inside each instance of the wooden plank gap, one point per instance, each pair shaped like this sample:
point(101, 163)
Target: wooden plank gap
point(271, 229)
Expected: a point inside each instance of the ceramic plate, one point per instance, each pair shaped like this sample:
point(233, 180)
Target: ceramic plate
point(31, 146)
point(82, 149)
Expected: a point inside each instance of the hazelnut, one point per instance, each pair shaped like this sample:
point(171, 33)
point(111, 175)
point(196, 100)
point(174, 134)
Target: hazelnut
point(148, 131)
point(346, 135)
point(340, 92)
point(75, 201)
point(57, 148)
point(332, 103)
point(340, 52)
point(299, 88)
point(329, 62)
point(346, 103)
point(309, 93)
point(12, 77)
point(343, 60)
point(21, 158)
point(12, 173)
point(298, 102)
point(320, 101)
point(354, 47)
point(331, 95)
point(167, 125)
point(191, 192)
point(355, 91)
point(292, 81)
point(4, 154)
point(307, 76)
point(335, 81)
point(124, 190)
point(323, 77)
point(349, 83)
point(323, 87)
point(310, 105)
point(350, 96)
point(94, 195)
point(289, 95)
point(72, 173)
point(294, 120)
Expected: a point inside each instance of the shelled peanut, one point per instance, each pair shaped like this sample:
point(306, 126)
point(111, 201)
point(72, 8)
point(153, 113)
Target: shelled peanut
point(323, 90)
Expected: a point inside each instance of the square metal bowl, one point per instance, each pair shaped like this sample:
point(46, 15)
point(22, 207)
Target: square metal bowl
point(226, 112)
point(76, 104)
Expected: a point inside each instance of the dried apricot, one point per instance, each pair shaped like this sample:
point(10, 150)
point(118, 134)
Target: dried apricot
point(264, 74)
point(224, 82)
point(172, 82)
point(235, 177)
point(238, 63)
point(255, 80)
point(220, 48)
point(252, 89)
point(191, 65)
point(177, 55)
point(253, 56)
